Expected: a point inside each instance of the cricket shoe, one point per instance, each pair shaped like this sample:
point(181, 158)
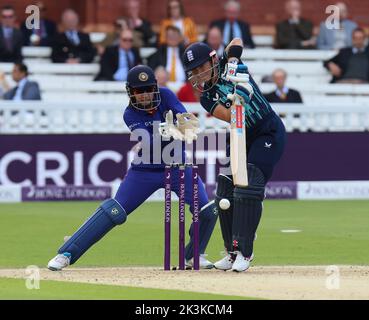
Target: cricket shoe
point(226, 263)
point(60, 262)
point(204, 263)
point(241, 263)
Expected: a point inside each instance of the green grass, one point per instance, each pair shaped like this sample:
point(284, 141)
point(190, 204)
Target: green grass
point(332, 233)
point(54, 290)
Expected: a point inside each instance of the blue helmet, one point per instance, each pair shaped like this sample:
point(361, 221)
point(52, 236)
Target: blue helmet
point(195, 56)
point(142, 88)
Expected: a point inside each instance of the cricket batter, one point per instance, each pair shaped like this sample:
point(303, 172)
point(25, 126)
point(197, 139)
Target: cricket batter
point(148, 104)
point(265, 144)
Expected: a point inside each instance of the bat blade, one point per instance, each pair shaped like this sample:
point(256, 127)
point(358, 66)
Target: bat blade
point(238, 155)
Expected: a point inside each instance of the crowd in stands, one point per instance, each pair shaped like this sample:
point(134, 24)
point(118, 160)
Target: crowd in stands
point(119, 51)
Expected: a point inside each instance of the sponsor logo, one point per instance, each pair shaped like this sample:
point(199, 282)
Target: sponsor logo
point(114, 211)
point(239, 117)
point(67, 193)
point(268, 145)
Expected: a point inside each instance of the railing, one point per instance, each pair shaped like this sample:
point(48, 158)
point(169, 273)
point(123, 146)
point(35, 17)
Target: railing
point(57, 118)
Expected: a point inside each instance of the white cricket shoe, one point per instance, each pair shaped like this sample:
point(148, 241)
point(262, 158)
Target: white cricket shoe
point(241, 263)
point(226, 263)
point(60, 262)
point(204, 263)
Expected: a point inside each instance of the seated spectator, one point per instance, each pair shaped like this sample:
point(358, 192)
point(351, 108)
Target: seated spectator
point(232, 27)
point(43, 36)
point(4, 86)
point(11, 39)
point(329, 39)
point(295, 32)
point(187, 93)
point(118, 60)
point(214, 39)
point(176, 17)
point(143, 34)
point(25, 89)
point(162, 76)
point(72, 46)
point(112, 38)
point(170, 55)
point(351, 65)
point(282, 94)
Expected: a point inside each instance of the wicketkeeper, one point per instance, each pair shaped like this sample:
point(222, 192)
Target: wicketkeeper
point(148, 105)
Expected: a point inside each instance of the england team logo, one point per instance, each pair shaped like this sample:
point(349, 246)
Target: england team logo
point(190, 56)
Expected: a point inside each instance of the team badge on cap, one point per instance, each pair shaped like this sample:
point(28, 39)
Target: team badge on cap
point(143, 76)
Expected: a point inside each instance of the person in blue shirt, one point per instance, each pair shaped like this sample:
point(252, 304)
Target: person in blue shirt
point(219, 80)
point(149, 106)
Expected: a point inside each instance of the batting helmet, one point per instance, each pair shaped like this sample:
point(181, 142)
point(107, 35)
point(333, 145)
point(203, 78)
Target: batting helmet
point(195, 56)
point(142, 88)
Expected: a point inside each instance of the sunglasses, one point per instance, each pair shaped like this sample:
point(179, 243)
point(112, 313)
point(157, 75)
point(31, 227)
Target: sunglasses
point(127, 39)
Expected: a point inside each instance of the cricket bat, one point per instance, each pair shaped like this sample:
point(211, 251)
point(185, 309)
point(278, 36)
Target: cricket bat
point(238, 154)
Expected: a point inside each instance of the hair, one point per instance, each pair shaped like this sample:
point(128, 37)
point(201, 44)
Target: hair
point(22, 67)
point(181, 7)
point(358, 29)
point(280, 70)
point(230, 2)
point(173, 28)
point(7, 7)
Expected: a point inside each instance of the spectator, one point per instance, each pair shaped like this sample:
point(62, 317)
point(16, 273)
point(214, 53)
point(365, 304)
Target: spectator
point(170, 55)
point(4, 86)
point(44, 35)
point(295, 32)
point(112, 38)
point(118, 60)
point(162, 76)
point(72, 46)
point(11, 39)
point(351, 65)
point(214, 39)
point(329, 39)
point(231, 27)
point(143, 34)
point(282, 94)
point(187, 93)
point(176, 17)
point(25, 89)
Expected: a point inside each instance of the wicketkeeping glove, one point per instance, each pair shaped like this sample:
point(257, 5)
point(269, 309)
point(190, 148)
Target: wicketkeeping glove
point(189, 125)
point(168, 129)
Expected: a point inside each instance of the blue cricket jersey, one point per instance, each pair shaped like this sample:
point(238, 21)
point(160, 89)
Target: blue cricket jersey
point(139, 119)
